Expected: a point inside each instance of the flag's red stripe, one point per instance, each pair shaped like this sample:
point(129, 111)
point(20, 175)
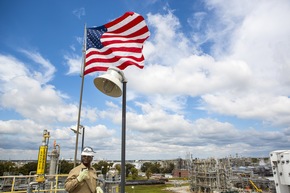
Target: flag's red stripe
point(108, 42)
point(118, 20)
point(128, 63)
point(140, 32)
point(104, 68)
point(111, 50)
point(129, 25)
point(96, 68)
point(112, 60)
point(116, 43)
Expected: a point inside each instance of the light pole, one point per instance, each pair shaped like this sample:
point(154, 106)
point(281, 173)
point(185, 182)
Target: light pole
point(83, 137)
point(110, 84)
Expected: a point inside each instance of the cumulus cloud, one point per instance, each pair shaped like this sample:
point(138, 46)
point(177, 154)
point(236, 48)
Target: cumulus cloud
point(74, 62)
point(243, 76)
point(33, 97)
point(194, 93)
point(250, 71)
point(47, 69)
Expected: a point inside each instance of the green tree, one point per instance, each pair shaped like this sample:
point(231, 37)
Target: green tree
point(148, 173)
point(8, 167)
point(145, 166)
point(128, 169)
point(27, 168)
point(168, 169)
point(154, 167)
point(134, 173)
point(103, 166)
point(65, 167)
point(118, 167)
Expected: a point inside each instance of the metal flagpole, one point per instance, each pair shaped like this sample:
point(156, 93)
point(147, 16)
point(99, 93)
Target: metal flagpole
point(81, 94)
point(123, 151)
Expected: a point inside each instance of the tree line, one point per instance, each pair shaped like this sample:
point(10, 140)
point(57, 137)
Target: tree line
point(64, 167)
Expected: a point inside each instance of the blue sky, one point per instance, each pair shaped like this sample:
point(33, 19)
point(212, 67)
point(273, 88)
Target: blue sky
point(215, 82)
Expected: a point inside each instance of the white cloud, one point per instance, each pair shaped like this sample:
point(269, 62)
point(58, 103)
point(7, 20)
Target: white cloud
point(272, 109)
point(47, 68)
point(32, 97)
point(79, 12)
point(248, 75)
point(74, 63)
point(245, 74)
point(169, 42)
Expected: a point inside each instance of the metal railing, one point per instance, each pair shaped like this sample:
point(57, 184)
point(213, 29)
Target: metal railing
point(53, 183)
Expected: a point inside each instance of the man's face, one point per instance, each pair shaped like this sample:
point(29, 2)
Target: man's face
point(86, 160)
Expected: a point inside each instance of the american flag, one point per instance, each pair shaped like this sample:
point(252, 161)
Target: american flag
point(118, 43)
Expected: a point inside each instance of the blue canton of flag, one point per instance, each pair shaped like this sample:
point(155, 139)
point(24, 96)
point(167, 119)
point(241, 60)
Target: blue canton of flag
point(94, 37)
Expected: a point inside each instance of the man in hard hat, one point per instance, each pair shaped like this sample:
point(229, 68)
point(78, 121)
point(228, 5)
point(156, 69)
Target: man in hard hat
point(83, 178)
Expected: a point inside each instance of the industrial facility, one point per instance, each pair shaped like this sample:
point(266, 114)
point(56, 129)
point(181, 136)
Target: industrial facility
point(212, 175)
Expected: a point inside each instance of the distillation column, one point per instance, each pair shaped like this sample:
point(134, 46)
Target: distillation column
point(54, 157)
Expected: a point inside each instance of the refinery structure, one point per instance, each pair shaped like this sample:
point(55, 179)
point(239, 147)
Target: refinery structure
point(206, 175)
point(211, 175)
point(221, 175)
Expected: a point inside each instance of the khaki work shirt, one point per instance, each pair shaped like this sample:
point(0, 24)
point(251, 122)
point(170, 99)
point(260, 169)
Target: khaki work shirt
point(72, 185)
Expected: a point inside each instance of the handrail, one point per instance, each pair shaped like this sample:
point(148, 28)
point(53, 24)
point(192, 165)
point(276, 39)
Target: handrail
point(11, 183)
point(257, 189)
